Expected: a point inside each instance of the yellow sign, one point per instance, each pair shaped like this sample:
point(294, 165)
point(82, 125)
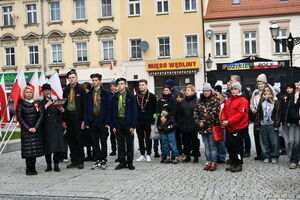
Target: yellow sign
point(173, 65)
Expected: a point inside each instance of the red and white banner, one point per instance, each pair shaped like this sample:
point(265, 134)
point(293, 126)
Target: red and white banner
point(55, 84)
point(3, 102)
point(17, 88)
point(42, 81)
point(34, 83)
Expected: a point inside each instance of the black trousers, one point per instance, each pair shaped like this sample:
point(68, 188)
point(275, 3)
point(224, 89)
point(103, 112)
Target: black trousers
point(64, 155)
point(98, 131)
point(56, 157)
point(143, 130)
point(257, 143)
point(113, 141)
point(74, 134)
point(247, 141)
point(178, 136)
point(125, 142)
point(235, 145)
point(190, 143)
point(155, 146)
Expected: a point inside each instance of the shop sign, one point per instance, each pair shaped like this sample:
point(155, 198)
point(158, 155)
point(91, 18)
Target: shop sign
point(9, 78)
point(173, 65)
point(238, 66)
point(265, 65)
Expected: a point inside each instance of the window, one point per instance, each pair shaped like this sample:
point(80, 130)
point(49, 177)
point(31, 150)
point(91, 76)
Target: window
point(81, 50)
point(279, 48)
point(33, 55)
point(31, 14)
point(236, 2)
point(191, 45)
point(135, 50)
point(54, 11)
point(190, 5)
point(56, 53)
point(250, 43)
point(221, 44)
point(134, 7)
point(162, 6)
point(79, 9)
point(106, 8)
point(108, 50)
point(164, 47)
point(10, 59)
point(7, 16)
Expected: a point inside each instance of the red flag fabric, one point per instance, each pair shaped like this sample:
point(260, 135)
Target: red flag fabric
point(111, 65)
point(42, 81)
point(34, 83)
point(56, 88)
point(3, 102)
point(17, 88)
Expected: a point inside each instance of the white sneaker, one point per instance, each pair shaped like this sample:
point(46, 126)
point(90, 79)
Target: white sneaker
point(274, 160)
point(141, 158)
point(148, 158)
point(266, 160)
point(65, 160)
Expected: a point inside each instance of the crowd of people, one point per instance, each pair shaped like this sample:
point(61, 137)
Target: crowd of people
point(89, 114)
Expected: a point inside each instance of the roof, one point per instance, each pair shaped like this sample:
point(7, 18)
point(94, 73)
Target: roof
point(223, 9)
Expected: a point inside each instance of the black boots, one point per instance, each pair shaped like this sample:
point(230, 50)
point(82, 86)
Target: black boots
point(56, 167)
point(49, 168)
point(30, 167)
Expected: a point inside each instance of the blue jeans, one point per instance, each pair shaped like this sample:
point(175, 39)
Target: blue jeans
point(168, 141)
point(210, 148)
point(221, 148)
point(269, 141)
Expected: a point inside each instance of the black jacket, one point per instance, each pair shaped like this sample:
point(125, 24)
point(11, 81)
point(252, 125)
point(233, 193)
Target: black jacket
point(185, 115)
point(290, 109)
point(167, 99)
point(167, 127)
point(148, 102)
point(79, 100)
point(30, 115)
point(130, 110)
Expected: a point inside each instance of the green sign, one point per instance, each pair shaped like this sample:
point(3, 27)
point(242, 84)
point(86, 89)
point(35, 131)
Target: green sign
point(9, 78)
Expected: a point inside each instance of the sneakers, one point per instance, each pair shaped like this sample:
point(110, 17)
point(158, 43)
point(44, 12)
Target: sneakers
point(130, 166)
point(65, 160)
point(274, 160)
point(148, 158)
point(80, 166)
point(196, 160)
point(97, 164)
point(293, 166)
point(72, 165)
point(121, 166)
point(176, 160)
point(103, 165)
point(141, 158)
point(113, 153)
point(266, 160)
point(187, 159)
point(168, 160)
point(156, 155)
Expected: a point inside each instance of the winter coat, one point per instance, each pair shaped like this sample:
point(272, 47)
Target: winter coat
point(185, 115)
point(167, 127)
point(130, 110)
point(30, 115)
point(207, 111)
point(235, 111)
point(290, 109)
point(167, 99)
point(105, 107)
point(148, 101)
point(275, 115)
point(53, 132)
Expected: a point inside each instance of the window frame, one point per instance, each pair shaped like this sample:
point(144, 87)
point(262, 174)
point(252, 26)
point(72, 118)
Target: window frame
point(103, 50)
point(134, 3)
point(158, 47)
point(51, 53)
point(280, 45)
point(35, 52)
point(130, 48)
point(75, 10)
point(10, 18)
point(76, 52)
point(32, 12)
point(221, 41)
point(50, 13)
point(10, 56)
point(191, 6)
point(163, 11)
point(111, 9)
point(250, 39)
point(186, 44)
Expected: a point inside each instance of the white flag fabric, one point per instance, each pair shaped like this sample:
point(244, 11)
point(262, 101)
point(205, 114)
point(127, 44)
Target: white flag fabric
point(55, 84)
point(42, 81)
point(34, 83)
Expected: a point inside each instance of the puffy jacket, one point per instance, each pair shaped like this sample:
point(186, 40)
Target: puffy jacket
point(167, 127)
point(185, 114)
point(30, 115)
point(290, 109)
point(236, 111)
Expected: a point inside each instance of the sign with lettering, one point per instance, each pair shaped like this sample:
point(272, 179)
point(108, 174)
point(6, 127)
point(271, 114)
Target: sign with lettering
point(173, 65)
point(9, 78)
point(265, 65)
point(238, 66)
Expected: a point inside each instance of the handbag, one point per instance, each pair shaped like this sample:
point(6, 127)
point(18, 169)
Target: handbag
point(217, 134)
point(155, 133)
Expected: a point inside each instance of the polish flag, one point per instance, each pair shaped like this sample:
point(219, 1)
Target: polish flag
point(17, 88)
point(42, 81)
point(55, 84)
point(3, 102)
point(34, 83)
point(111, 65)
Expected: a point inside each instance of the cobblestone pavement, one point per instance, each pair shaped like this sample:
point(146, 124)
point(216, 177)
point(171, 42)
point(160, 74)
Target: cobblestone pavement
point(149, 181)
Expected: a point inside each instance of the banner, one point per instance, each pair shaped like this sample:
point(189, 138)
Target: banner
point(173, 65)
point(255, 65)
point(9, 78)
point(237, 66)
point(265, 65)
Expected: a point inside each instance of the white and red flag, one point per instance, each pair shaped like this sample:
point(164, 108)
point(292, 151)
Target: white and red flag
point(55, 84)
point(3, 102)
point(17, 88)
point(34, 83)
point(42, 81)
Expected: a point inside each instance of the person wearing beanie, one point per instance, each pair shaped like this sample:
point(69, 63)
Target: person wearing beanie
point(206, 115)
point(262, 78)
point(170, 83)
point(53, 131)
point(235, 118)
point(290, 118)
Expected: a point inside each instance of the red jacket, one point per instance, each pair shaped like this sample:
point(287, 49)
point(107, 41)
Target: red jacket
point(236, 112)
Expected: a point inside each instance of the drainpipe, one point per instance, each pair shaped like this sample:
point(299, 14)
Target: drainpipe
point(43, 38)
point(203, 37)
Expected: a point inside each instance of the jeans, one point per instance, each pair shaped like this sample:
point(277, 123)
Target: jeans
point(269, 142)
point(168, 141)
point(221, 148)
point(257, 142)
point(247, 142)
point(292, 141)
point(210, 148)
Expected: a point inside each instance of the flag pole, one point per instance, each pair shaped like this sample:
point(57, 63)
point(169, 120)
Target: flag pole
point(2, 147)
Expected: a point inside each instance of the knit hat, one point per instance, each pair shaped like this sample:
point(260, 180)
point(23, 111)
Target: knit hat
point(165, 107)
point(276, 89)
point(291, 85)
point(237, 85)
point(46, 86)
point(218, 88)
point(170, 83)
point(207, 86)
point(262, 78)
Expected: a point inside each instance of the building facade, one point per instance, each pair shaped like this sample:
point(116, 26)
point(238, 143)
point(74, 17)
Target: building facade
point(239, 40)
point(104, 36)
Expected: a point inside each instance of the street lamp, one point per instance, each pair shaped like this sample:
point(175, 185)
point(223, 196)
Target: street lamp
point(289, 42)
point(209, 61)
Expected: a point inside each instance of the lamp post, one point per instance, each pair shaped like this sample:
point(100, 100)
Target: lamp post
point(289, 42)
point(209, 61)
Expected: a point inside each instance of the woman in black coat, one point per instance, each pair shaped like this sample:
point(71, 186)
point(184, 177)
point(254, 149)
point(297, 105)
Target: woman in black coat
point(53, 131)
point(30, 117)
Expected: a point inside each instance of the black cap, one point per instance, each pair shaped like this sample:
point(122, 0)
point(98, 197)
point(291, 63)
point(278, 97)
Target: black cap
point(121, 79)
point(165, 107)
point(218, 88)
point(291, 85)
point(46, 86)
point(97, 75)
point(72, 71)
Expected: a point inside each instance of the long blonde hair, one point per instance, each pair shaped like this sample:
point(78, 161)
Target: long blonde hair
point(272, 97)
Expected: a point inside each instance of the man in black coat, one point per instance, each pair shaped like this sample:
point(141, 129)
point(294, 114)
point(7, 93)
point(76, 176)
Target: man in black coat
point(113, 140)
point(74, 119)
point(123, 122)
point(146, 107)
point(97, 119)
